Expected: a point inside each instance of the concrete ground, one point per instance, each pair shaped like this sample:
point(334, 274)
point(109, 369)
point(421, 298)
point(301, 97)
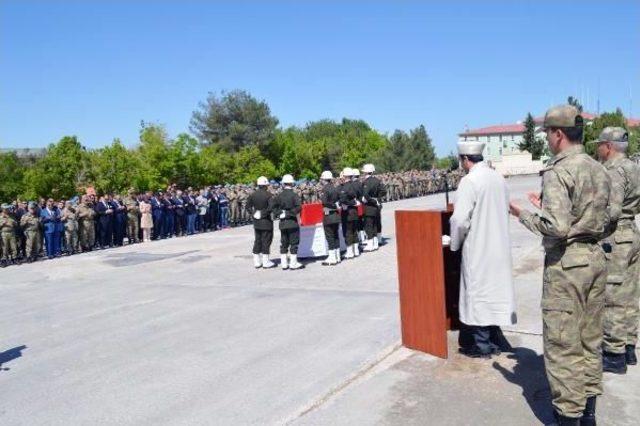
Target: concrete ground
point(185, 331)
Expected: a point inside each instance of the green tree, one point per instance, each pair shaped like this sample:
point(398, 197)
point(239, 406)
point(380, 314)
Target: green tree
point(156, 164)
point(216, 165)
point(60, 173)
point(248, 164)
point(184, 156)
point(115, 168)
point(530, 142)
point(11, 175)
point(574, 101)
point(450, 162)
point(592, 131)
point(234, 120)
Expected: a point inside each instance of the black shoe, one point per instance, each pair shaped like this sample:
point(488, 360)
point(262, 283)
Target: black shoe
point(614, 363)
point(566, 421)
point(474, 352)
point(589, 414)
point(630, 355)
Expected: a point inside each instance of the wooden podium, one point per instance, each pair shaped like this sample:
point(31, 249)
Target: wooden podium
point(429, 278)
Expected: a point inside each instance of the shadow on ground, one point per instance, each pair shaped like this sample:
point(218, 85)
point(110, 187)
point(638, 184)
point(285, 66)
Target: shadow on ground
point(10, 355)
point(528, 373)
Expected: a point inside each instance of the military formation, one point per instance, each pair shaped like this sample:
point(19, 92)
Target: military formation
point(350, 205)
point(49, 228)
point(590, 297)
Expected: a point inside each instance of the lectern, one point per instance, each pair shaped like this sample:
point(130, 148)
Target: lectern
point(429, 277)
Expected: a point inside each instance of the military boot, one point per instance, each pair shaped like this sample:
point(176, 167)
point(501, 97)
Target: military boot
point(293, 262)
point(614, 363)
point(589, 414)
point(284, 261)
point(630, 355)
point(266, 262)
point(257, 261)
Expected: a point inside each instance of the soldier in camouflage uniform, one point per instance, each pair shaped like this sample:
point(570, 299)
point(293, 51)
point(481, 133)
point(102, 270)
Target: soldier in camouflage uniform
point(242, 206)
point(622, 297)
point(30, 224)
point(574, 216)
point(234, 206)
point(87, 225)
point(70, 219)
point(133, 214)
point(8, 237)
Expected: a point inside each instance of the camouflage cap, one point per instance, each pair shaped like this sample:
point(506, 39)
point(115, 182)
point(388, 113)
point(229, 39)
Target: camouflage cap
point(613, 134)
point(562, 116)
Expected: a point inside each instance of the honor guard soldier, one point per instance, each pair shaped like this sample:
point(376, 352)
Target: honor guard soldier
point(349, 207)
point(620, 322)
point(331, 217)
point(288, 204)
point(357, 184)
point(573, 217)
point(372, 192)
point(260, 202)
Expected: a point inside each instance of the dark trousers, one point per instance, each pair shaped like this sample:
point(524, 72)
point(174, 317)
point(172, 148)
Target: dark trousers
point(106, 233)
point(351, 232)
point(119, 230)
point(289, 240)
point(158, 225)
point(484, 339)
point(169, 224)
point(52, 243)
point(331, 233)
point(370, 226)
point(262, 241)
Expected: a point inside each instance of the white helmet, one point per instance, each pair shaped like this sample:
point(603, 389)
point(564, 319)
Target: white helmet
point(368, 168)
point(347, 172)
point(355, 172)
point(327, 175)
point(288, 179)
point(263, 181)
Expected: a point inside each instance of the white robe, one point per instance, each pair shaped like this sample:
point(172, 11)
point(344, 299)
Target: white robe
point(480, 225)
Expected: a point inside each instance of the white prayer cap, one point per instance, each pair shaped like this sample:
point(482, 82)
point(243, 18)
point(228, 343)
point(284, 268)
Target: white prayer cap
point(470, 148)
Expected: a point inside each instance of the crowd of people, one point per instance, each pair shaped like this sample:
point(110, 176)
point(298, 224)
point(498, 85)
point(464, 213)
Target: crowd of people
point(48, 228)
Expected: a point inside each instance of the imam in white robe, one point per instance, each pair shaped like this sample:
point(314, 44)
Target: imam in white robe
point(480, 226)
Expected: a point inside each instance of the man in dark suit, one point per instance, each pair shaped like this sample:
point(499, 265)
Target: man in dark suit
point(119, 220)
point(157, 211)
point(105, 211)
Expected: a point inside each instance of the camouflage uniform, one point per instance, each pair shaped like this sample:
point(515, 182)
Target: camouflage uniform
point(86, 215)
point(133, 225)
point(8, 236)
point(234, 207)
point(30, 225)
point(622, 297)
point(574, 216)
point(70, 219)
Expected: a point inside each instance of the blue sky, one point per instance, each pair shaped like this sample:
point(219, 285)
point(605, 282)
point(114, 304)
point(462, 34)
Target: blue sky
point(97, 68)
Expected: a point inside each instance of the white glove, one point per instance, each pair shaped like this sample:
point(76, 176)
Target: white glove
point(357, 203)
point(283, 214)
point(446, 241)
point(364, 200)
point(338, 205)
point(257, 215)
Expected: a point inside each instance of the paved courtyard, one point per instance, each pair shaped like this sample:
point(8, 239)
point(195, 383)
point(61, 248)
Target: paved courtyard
point(186, 332)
